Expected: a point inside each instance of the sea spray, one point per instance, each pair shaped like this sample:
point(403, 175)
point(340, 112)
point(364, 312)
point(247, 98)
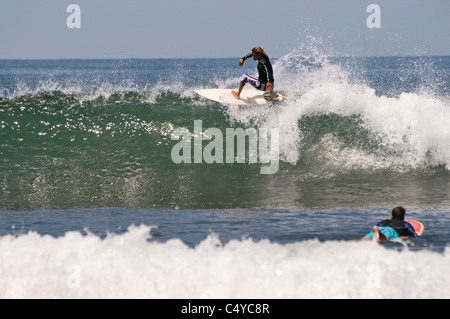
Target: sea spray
point(410, 129)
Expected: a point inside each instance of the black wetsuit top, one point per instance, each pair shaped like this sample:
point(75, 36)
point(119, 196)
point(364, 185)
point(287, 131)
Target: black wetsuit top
point(403, 229)
point(265, 70)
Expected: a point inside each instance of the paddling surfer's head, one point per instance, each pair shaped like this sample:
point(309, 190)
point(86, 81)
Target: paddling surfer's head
point(398, 213)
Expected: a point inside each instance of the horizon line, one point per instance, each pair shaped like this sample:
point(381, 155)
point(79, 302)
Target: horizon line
point(217, 58)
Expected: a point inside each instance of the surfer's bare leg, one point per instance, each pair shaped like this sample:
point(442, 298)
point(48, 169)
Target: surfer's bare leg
point(238, 93)
point(376, 234)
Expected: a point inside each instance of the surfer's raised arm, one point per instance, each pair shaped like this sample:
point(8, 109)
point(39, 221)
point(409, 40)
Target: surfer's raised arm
point(241, 61)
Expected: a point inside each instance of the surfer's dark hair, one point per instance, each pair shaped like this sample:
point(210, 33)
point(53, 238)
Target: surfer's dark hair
point(259, 51)
point(398, 213)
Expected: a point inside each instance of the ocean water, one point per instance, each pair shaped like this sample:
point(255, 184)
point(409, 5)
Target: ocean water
point(92, 204)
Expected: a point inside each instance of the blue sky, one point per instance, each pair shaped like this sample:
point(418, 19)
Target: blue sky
point(37, 29)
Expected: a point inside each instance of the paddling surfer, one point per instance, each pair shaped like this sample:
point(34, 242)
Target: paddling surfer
point(395, 227)
point(265, 80)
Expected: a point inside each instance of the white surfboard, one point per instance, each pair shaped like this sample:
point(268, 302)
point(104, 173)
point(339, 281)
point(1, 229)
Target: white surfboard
point(224, 96)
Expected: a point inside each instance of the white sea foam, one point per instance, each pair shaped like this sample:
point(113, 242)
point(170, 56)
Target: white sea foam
point(130, 266)
point(90, 90)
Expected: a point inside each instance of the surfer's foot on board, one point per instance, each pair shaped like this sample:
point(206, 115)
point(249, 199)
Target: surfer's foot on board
point(236, 95)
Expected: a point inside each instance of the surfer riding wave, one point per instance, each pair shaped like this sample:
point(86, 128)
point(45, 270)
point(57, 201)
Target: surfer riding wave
point(265, 80)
